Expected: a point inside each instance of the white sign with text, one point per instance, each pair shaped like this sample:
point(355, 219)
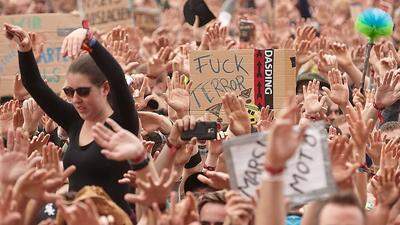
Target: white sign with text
point(308, 173)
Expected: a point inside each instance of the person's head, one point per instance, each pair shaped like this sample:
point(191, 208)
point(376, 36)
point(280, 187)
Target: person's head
point(211, 208)
point(391, 130)
point(343, 208)
point(194, 185)
point(87, 88)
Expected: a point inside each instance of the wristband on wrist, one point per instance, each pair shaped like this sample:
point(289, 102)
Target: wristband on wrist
point(140, 165)
point(377, 108)
point(193, 161)
point(274, 171)
point(89, 40)
point(379, 113)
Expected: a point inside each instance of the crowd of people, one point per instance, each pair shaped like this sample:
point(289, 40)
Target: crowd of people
point(107, 148)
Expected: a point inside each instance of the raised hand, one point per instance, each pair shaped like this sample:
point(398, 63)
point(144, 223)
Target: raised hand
point(183, 156)
point(180, 213)
point(266, 119)
point(18, 119)
point(140, 101)
point(385, 188)
point(72, 44)
point(312, 103)
point(306, 33)
point(19, 36)
point(37, 47)
point(32, 115)
point(8, 215)
point(151, 121)
point(7, 111)
point(129, 178)
point(178, 97)
point(215, 37)
point(386, 94)
point(375, 145)
point(359, 129)
point(302, 43)
point(48, 124)
point(79, 213)
point(342, 53)
point(20, 93)
point(358, 97)
point(155, 190)
point(18, 141)
point(326, 63)
point(125, 56)
point(303, 53)
point(339, 91)
point(283, 140)
point(387, 63)
point(35, 184)
point(342, 164)
point(38, 142)
point(159, 62)
point(240, 210)
point(239, 121)
point(369, 97)
point(390, 155)
point(216, 180)
point(180, 125)
point(180, 62)
point(161, 42)
point(118, 143)
point(14, 161)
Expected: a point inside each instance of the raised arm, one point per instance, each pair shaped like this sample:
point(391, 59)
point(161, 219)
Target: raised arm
point(124, 104)
point(60, 111)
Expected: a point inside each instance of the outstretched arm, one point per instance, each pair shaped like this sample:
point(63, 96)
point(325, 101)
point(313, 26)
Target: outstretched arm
point(60, 111)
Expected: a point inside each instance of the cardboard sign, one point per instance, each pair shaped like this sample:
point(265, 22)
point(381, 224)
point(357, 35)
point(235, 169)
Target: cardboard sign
point(261, 77)
point(147, 19)
point(308, 173)
point(106, 14)
point(51, 29)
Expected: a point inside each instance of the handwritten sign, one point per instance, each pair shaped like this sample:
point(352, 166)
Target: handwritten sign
point(307, 176)
point(106, 14)
point(147, 19)
point(261, 77)
point(50, 29)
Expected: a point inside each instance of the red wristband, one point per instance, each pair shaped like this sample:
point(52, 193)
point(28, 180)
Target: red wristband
point(377, 108)
point(379, 113)
point(89, 36)
point(274, 171)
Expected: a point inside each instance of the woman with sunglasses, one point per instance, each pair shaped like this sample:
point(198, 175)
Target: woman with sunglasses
point(90, 79)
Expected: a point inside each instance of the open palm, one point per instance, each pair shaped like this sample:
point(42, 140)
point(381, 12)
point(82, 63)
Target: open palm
point(119, 144)
point(179, 99)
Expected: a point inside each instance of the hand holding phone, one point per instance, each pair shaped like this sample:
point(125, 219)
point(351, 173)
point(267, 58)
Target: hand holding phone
point(204, 130)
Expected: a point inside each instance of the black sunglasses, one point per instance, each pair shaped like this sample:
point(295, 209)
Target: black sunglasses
point(81, 91)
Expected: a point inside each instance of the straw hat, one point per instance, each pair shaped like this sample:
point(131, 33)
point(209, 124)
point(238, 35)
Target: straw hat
point(105, 206)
